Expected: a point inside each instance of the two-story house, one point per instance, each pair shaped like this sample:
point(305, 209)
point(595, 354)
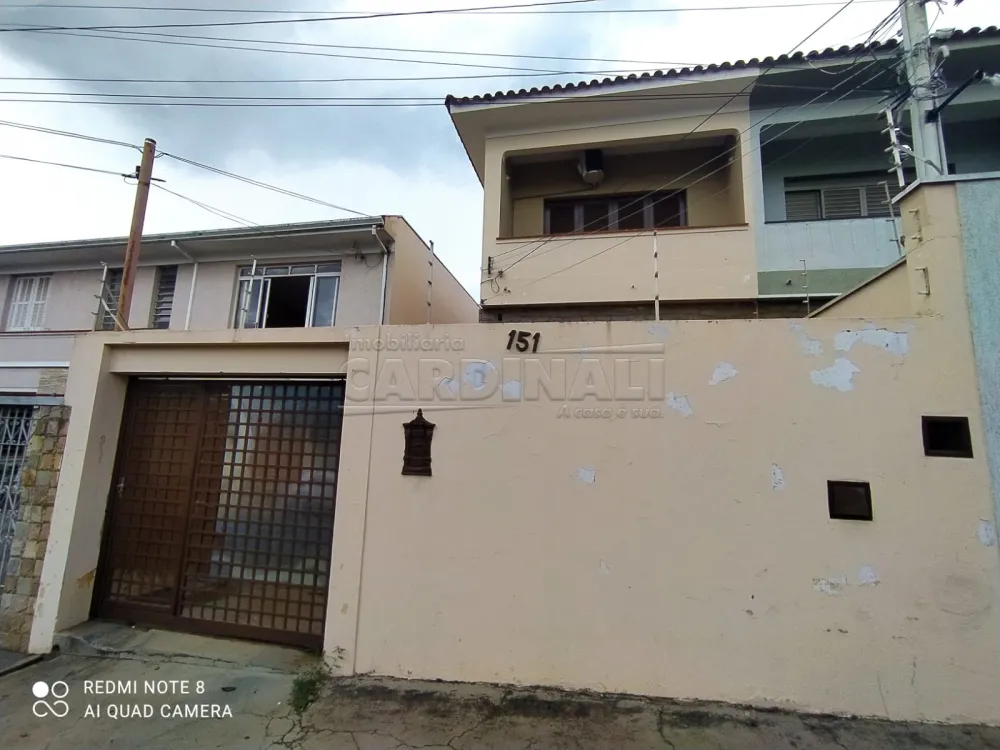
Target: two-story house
point(359, 271)
point(755, 188)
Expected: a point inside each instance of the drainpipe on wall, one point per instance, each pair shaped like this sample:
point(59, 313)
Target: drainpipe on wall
point(385, 276)
point(194, 280)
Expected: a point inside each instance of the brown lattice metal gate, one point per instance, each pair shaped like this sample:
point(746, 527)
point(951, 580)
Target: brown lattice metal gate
point(220, 517)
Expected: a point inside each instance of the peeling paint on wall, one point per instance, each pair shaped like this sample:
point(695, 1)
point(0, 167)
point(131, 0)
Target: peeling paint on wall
point(587, 476)
point(605, 568)
point(867, 576)
point(880, 338)
point(723, 372)
point(810, 347)
point(987, 533)
point(658, 331)
point(777, 478)
point(476, 373)
point(679, 404)
point(838, 375)
point(511, 390)
point(450, 384)
point(829, 586)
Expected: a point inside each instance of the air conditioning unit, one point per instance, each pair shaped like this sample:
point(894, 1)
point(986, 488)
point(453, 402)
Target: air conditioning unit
point(592, 166)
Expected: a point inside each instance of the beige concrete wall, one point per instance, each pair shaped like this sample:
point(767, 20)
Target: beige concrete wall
point(604, 269)
point(681, 548)
point(690, 555)
point(413, 265)
point(887, 296)
point(709, 202)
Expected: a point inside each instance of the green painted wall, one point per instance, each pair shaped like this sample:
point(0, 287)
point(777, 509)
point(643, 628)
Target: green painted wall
point(821, 281)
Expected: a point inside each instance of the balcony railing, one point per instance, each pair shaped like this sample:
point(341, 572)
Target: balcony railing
point(840, 243)
point(693, 263)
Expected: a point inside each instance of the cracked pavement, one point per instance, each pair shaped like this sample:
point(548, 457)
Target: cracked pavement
point(368, 713)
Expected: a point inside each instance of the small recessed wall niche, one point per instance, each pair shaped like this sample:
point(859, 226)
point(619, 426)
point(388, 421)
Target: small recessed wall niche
point(948, 437)
point(850, 501)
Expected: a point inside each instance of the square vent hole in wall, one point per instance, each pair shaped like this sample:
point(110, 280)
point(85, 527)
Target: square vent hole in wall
point(850, 501)
point(947, 436)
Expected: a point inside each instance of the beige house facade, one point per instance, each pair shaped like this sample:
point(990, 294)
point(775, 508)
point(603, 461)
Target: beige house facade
point(757, 188)
point(781, 512)
point(328, 276)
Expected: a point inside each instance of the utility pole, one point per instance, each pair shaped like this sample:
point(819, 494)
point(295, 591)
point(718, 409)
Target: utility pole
point(928, 137)
point(144, 173)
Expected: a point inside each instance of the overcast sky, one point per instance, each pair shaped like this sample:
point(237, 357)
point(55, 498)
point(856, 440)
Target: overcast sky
point(377, 160)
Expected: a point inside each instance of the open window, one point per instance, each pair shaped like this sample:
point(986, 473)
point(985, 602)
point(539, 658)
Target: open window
point(300, 296)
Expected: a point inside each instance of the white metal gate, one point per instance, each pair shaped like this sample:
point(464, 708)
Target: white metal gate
point(15, 429)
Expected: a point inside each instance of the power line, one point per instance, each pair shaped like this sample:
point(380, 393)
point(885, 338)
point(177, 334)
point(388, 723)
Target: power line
point(179, 40)
point(61, 164)
point(570, 236)
point(68, 134)
point(279, 11)
point(273, 21)
point(211, 209)
point(264, 185)
point(415, 100)
point(725, 189)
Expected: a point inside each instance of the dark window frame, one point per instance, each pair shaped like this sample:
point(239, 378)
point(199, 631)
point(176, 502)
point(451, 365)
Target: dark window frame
point(927, 424)
point(836, 513)
point(626, 203)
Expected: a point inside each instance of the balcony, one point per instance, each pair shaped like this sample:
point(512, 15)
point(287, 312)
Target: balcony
point(578, 226)
point(833, 255)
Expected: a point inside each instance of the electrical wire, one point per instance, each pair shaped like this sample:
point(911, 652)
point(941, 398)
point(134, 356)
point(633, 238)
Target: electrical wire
point(725, 189)
point(61, 164)
point(211, 209)
point(273, 21)
point(641, 200)
point(278, 11)
point(264, 185)
point(68, 134)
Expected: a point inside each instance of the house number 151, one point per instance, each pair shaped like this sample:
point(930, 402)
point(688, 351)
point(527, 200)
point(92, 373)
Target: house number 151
point(521, 340)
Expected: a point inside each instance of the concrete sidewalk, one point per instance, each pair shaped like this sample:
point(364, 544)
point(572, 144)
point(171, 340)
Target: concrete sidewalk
point(255, 683)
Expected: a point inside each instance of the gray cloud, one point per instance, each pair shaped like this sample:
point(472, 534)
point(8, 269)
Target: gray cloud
point(400, 138)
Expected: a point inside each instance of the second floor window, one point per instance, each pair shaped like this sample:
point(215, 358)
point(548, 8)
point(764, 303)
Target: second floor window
point(27, 304)
point(839, 198)
point(300, 296)
point(163, 303)
point(109, 300)
point(616, 213)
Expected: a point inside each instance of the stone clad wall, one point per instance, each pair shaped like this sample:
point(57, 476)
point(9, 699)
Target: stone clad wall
point(43, 459)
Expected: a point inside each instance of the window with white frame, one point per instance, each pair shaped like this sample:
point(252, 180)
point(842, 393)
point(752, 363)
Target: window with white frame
point(27, 303)
point(288, 296)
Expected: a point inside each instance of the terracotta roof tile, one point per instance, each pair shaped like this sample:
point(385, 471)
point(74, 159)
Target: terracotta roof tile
point(828, 54)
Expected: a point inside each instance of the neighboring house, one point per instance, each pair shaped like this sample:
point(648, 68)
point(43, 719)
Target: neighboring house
point(318, 274)
point(329, 273)
point(768, 204)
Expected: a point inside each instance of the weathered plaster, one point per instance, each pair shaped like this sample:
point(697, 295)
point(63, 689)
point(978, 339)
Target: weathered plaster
point(894, 342)
point(810, 347)
point(839, 375)
point(723, 372)
point(680, 404)
point(777, 478)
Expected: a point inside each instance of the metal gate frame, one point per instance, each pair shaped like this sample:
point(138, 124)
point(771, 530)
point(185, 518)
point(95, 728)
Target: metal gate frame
point(16, 424)
point(224, 547)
